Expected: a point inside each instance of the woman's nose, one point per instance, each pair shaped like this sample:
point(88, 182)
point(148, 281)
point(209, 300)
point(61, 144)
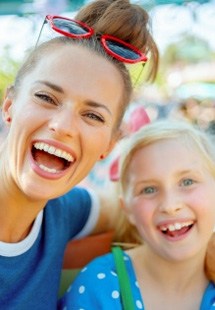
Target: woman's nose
point(64, 123)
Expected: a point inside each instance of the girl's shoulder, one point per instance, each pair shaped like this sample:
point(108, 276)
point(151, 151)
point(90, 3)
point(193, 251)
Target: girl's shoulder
point(208, 300)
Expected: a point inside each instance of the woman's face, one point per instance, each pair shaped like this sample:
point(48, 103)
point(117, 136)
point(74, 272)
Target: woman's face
point(62, 121)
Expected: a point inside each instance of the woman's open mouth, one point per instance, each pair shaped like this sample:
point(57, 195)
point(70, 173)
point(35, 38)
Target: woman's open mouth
point(51, 159)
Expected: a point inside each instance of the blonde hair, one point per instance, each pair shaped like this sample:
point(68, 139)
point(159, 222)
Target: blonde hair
point(152, 133)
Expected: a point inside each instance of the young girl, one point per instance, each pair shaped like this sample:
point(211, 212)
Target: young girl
point(167, 181)
point(63, 114)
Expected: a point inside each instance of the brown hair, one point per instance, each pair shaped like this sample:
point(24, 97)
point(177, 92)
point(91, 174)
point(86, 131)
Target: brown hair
point(126, 21)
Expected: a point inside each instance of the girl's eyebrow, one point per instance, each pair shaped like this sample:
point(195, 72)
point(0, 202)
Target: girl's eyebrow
point(60, 90)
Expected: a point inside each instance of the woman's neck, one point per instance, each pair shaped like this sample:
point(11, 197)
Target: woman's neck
point(17, 213)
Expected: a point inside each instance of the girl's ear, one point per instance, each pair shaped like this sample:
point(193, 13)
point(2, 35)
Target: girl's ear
point(127, 210)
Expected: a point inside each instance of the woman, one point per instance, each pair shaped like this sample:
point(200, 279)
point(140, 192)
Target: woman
point(63, 114)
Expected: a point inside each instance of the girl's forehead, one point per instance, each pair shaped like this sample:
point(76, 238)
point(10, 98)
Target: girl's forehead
point(174, 154)
point(166, 150)
point(165, 144)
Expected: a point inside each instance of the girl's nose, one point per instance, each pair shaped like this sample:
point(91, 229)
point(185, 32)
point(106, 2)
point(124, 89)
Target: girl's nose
point(171, 203)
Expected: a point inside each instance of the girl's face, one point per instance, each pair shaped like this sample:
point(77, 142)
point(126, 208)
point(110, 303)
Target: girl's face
point(171, 199)
point(62, 121)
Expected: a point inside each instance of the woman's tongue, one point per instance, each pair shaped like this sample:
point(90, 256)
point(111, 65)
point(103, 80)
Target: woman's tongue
point(49, 160)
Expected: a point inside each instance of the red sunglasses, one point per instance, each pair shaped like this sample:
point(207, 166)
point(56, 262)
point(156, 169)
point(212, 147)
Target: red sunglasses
point(115, 47)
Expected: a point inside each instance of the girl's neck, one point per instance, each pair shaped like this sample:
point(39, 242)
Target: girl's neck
point(173, 283)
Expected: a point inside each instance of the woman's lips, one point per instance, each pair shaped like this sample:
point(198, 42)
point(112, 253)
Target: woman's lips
point(50, 161)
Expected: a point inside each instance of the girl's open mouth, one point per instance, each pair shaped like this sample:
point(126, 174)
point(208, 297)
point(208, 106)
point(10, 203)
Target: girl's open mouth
point(177, 229)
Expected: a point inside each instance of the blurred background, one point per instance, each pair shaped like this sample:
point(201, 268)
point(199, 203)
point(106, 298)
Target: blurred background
point(184, 31)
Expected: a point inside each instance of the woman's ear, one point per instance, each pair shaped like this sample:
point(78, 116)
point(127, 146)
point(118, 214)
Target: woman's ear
point(7, 106)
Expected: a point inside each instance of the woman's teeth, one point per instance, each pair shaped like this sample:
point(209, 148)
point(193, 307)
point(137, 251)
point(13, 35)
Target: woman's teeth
point(50, 170)
point(53, 151)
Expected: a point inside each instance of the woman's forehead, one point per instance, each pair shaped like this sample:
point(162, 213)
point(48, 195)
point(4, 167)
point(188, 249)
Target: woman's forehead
point(73, 57)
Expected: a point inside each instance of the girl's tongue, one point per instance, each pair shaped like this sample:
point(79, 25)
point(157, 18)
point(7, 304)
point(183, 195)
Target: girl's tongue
point(178, 232)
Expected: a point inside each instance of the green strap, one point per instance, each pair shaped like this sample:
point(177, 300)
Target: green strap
point(124, 282)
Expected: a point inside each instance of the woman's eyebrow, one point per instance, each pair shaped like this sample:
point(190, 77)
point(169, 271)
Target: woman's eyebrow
point(51, 85)
point(98, 105)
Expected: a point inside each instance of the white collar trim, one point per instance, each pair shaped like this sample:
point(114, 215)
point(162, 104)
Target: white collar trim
point(15, 249)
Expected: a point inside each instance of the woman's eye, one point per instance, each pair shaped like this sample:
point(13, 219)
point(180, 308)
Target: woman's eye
point(95, 117)
point(187, 182)
point(45, 98)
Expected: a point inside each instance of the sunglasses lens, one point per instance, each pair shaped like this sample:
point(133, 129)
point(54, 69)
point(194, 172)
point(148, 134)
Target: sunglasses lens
point(69, 26)
point(121, 50)
point(138, 73)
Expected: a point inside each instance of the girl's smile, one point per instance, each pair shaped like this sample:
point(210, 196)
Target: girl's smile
point(176, 230)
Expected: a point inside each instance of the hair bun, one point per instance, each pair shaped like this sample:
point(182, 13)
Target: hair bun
point(126, 21)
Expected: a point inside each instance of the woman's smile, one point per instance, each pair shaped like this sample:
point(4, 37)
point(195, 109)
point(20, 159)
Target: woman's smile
point(50, 159)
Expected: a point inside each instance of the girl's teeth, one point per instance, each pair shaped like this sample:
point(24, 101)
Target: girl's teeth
point(176, 226)
point(171, 227)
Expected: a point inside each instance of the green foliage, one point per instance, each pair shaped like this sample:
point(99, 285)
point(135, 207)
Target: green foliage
point(189, 49)
point(8, 69)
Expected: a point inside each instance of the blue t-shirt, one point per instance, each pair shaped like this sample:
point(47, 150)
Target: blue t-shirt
point(30, 270)
point(97, 287)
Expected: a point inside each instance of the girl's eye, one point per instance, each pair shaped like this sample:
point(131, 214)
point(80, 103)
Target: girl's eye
point(187, 182)
point(95, 117)
point(148, 190)
point(46, 98)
